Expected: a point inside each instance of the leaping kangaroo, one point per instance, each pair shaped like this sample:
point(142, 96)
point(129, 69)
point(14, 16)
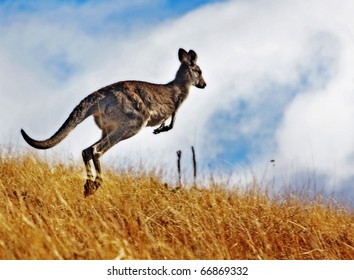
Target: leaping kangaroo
point(122, 109)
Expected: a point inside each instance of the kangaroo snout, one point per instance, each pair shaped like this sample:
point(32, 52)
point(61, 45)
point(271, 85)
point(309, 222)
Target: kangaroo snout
point(201, 85)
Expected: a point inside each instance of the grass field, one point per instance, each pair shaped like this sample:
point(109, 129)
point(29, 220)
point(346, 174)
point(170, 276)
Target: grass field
point(44, 215)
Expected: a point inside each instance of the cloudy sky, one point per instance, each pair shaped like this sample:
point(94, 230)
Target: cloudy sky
point(280, 78)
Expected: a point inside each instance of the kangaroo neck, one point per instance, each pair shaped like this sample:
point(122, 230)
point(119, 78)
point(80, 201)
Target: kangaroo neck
point(179, 91)
point(181, 81)
point(178, 86)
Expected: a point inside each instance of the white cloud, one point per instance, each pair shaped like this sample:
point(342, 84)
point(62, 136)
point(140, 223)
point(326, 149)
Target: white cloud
point(279, 77)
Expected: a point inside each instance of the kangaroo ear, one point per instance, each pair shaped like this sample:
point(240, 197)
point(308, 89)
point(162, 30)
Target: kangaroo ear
point(192, 56)
point(182, 55)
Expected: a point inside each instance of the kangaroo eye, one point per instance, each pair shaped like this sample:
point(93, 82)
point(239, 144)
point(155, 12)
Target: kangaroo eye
point(198, 71)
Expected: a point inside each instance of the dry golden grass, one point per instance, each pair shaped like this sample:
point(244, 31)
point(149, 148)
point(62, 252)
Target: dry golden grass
point(43, 215)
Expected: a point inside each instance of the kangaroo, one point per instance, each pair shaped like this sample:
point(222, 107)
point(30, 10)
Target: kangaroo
point(122, 109)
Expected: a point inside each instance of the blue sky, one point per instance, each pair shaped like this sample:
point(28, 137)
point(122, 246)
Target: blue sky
point(144, 11)
point(279, 81)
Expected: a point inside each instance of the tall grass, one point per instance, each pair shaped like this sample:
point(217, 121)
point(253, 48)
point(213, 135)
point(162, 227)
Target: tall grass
point(44, 215)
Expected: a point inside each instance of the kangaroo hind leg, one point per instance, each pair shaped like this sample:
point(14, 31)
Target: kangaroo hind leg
point(94, 152)
point(90, 156)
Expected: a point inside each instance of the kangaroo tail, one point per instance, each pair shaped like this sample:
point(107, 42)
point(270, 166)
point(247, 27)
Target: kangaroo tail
point(80, 113)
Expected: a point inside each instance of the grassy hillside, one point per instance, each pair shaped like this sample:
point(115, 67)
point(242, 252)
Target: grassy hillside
point(43, 215)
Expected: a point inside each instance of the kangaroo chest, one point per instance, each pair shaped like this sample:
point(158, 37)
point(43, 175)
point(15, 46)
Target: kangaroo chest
point(157, 117)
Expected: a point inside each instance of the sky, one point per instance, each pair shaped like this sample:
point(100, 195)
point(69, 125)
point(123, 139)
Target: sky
point(279, 101)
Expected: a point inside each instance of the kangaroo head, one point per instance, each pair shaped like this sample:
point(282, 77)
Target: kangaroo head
point(189, 71)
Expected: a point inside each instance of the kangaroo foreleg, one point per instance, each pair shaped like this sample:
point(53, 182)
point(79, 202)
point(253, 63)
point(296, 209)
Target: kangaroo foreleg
point(163, 127)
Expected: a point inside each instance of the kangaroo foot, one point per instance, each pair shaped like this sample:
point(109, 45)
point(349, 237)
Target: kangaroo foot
point(91, 187)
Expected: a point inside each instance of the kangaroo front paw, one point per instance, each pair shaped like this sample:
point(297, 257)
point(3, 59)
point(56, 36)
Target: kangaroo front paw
point(162, 129)
point(91, 187)
point(157, 131)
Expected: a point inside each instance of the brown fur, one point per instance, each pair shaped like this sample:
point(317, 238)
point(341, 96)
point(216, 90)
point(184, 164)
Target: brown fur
point(122, 109)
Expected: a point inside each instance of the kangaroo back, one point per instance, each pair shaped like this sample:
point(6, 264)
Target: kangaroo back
point(80, 113)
